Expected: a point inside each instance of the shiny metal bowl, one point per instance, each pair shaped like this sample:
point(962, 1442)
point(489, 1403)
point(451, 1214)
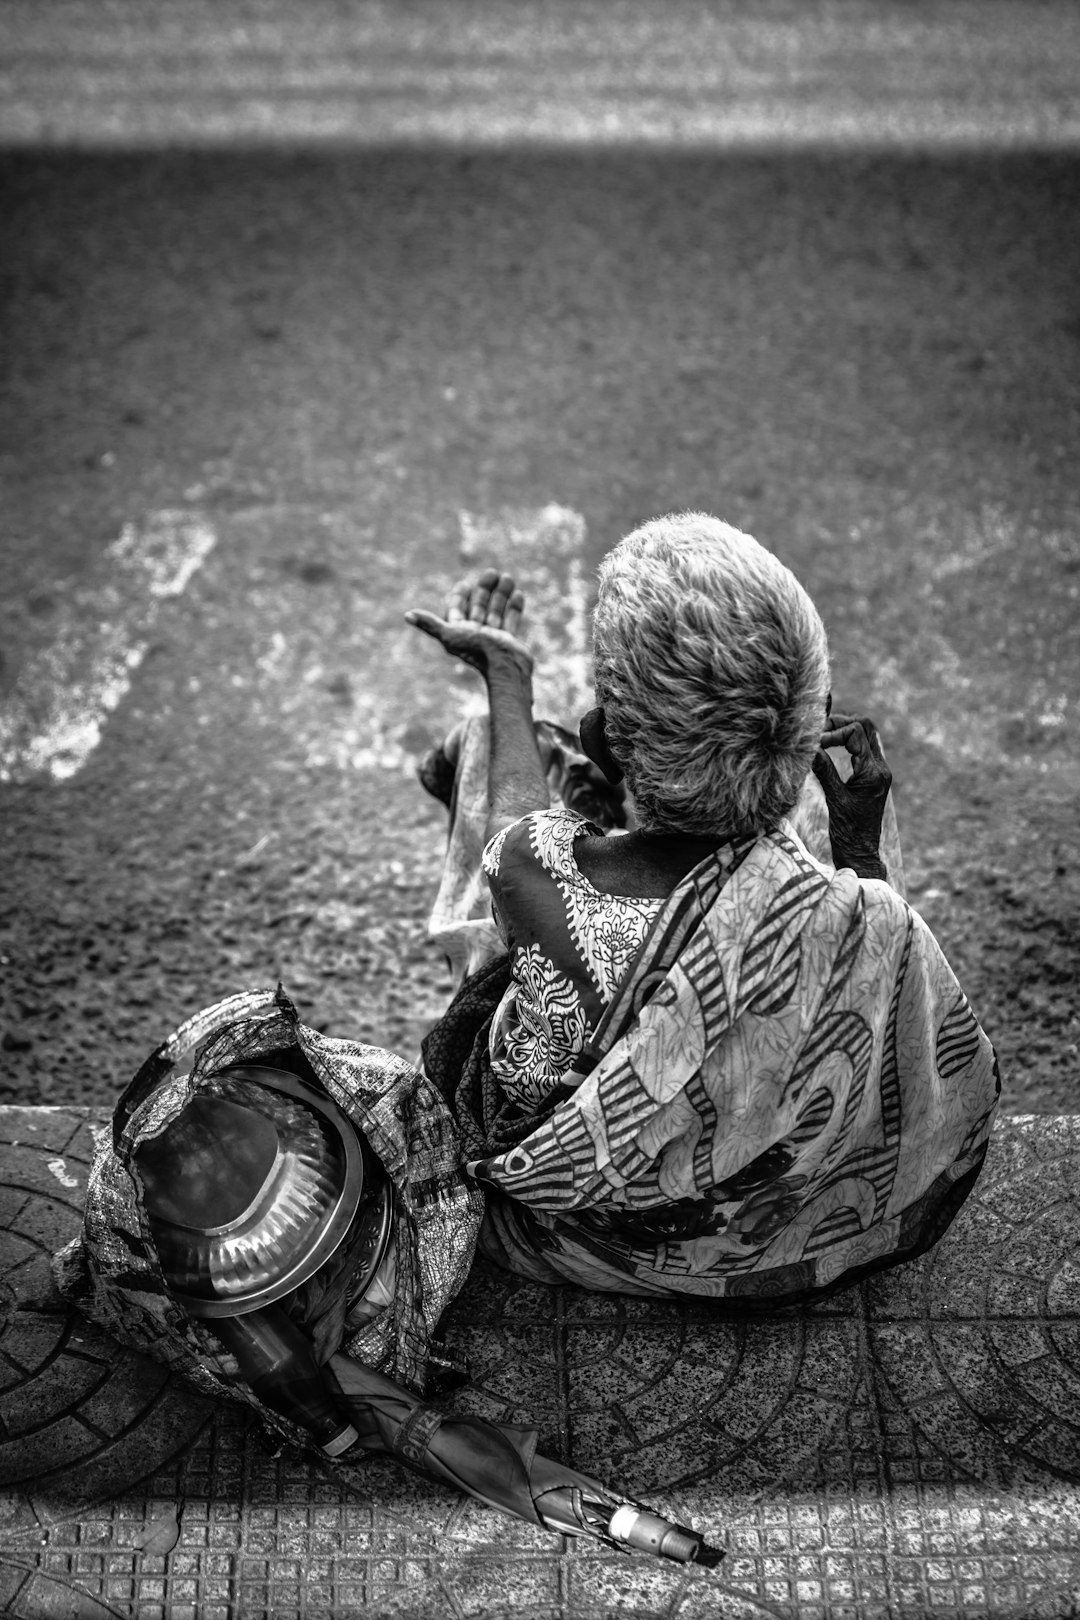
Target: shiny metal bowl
point(250, 1190)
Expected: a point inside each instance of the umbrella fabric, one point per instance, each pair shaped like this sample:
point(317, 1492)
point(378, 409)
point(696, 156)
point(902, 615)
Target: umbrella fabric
point(497, 1463)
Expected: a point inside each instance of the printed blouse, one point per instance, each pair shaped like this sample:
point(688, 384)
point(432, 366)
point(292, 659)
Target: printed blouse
point(570, 945)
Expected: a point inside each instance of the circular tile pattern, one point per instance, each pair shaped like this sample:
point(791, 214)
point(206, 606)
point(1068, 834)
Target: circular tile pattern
point(847, 1457)
point(621, 1386)
point(980, 1344)
point(80, 1418)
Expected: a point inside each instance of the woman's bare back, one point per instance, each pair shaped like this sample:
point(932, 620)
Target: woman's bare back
point(643, 866)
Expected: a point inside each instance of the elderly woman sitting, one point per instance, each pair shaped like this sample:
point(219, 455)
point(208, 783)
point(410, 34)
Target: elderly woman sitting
point(713, 1050)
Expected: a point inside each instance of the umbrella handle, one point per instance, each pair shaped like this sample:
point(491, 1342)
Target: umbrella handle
point(628, 1525)
point(631, 1526)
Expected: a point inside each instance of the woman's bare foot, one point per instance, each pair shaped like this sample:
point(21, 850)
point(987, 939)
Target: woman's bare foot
point(437, 770)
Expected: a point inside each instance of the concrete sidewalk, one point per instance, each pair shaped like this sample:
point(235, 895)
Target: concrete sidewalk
point(913, 1448)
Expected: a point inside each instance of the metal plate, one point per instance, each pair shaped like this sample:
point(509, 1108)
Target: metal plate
point(338, 1219)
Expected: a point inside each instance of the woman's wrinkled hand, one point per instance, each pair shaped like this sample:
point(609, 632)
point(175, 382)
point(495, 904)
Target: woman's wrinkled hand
point(857, 806)
point(480, 622)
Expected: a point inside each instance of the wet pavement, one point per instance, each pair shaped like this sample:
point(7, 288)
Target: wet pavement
point(911, 1448)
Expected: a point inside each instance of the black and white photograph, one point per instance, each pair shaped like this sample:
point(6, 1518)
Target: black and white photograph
point(540, 809)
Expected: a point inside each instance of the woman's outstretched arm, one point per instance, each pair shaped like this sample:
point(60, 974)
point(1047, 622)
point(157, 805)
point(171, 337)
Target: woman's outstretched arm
point(480, 628)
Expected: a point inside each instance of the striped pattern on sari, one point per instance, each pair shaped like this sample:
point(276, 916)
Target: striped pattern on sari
point(788, 1088)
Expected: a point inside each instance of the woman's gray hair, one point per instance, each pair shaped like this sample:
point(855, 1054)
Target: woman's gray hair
point(712, 668)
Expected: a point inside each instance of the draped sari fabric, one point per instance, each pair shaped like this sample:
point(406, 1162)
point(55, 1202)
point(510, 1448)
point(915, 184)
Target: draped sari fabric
point(789, 1087)
point(787, 1090)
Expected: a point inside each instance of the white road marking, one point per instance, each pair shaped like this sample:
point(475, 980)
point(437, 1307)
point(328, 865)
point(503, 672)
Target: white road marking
point(401, 693)
point(380, 752)
point(544, 547)
point(53, 720)
point(545, 550)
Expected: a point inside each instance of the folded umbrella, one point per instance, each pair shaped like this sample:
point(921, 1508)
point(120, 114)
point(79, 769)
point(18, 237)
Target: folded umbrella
point(498, 1464)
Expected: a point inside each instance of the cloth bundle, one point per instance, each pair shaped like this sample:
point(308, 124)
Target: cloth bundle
point(111, 1271)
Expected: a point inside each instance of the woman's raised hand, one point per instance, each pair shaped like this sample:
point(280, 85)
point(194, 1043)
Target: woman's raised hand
point(480, 623)
point(856, 807)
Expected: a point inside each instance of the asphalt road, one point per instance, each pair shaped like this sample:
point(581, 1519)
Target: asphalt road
point(248, 397)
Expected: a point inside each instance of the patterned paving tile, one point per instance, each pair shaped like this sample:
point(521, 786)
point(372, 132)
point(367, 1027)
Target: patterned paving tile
point(911, 1449)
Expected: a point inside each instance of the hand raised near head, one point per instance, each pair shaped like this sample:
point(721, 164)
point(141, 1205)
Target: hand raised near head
point(480, 622)
point(856, 807)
